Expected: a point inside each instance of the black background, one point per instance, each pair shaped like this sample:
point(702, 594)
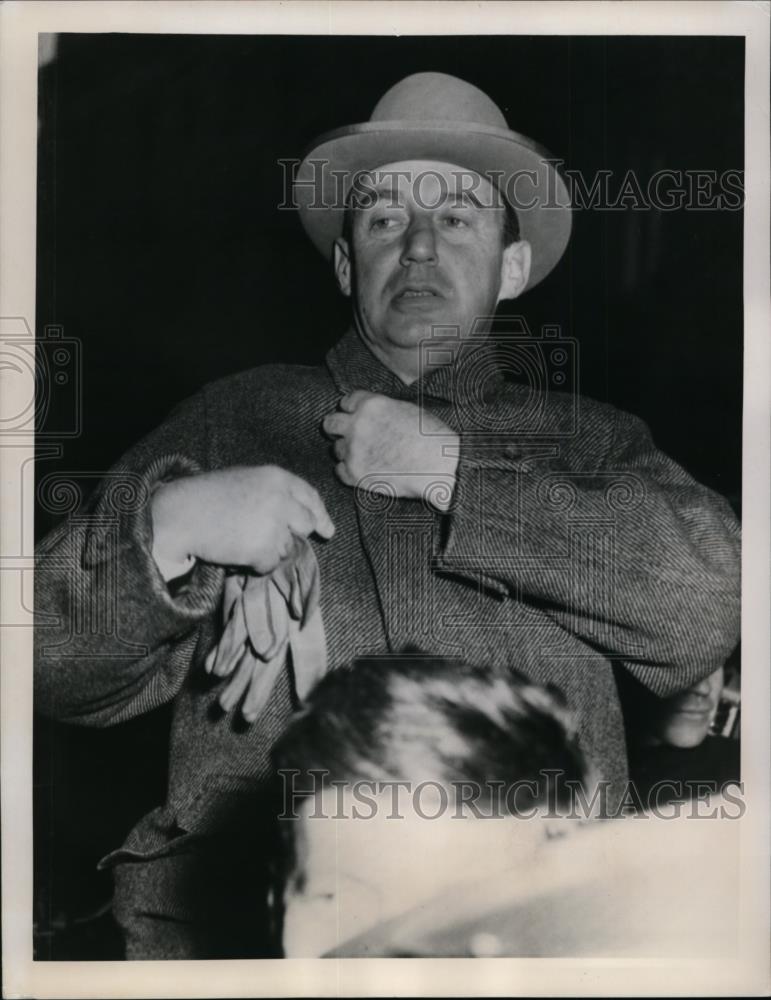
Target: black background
point(161, 249)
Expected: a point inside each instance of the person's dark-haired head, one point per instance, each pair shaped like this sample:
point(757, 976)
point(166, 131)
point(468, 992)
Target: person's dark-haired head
point(415, 717)
point(466, 743)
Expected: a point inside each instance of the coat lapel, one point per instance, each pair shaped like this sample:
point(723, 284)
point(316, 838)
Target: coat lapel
point(400, 536)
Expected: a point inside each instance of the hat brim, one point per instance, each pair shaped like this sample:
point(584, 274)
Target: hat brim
point(522, 169)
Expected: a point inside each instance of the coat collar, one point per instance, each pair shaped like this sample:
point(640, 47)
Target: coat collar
point(471, 377)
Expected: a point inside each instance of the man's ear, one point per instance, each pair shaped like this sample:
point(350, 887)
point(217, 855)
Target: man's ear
point(342, 263)
point(515, 270)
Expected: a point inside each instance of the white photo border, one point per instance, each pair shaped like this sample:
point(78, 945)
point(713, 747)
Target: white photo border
point(20, 24)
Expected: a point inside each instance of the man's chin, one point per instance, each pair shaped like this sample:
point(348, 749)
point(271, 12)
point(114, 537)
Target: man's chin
point(408, 330)
point(413, 333)
point(685, 737)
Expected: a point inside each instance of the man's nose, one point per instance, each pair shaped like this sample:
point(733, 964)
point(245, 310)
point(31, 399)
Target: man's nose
point(419, 243)
point(702, 687)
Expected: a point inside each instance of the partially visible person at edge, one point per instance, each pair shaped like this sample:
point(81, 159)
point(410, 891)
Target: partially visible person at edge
point(476, 550)
point(673, 754)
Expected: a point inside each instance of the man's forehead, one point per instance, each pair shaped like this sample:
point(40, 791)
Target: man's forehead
point(428, 182)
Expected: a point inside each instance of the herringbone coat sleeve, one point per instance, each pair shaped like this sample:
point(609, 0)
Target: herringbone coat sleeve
point(618, 544)
point(112, 639)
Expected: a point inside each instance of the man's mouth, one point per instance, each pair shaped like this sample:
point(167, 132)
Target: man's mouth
point(693, 706)
point(417, 296)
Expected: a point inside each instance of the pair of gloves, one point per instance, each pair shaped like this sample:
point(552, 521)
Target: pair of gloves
point(268, 621)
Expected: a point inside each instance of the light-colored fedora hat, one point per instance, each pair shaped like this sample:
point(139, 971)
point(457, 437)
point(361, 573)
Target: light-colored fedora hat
point(433, 116)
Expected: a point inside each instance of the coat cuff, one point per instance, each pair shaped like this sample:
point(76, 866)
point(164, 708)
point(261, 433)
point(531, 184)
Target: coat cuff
point(479, 527)
point(121, 535)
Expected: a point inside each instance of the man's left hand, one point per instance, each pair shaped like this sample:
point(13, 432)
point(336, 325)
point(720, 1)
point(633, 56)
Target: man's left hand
point(395, 446)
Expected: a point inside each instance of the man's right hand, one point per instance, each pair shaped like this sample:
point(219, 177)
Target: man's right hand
point(241, 516)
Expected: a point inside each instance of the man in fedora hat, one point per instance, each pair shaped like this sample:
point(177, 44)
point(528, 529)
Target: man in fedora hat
point(289, 519)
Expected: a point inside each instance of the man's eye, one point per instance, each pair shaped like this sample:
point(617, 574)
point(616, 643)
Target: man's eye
point(384, 222)
point(455, 221)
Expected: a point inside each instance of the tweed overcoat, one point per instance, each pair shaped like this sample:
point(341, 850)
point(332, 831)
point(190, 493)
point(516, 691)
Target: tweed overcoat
point(573, 547)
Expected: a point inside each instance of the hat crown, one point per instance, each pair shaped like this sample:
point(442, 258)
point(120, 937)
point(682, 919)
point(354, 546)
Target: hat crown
point(437, 97)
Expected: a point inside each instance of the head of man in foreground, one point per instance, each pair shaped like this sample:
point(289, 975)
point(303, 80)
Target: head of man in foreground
point(406, 777)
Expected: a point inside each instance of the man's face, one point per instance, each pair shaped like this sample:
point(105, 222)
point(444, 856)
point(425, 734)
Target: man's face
point(427, 250)
point(354, 873)
point(685, 719)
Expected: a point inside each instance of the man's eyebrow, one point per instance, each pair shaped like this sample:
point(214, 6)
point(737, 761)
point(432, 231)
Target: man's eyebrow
point(463, 198)
point(386, 191)
point(389, 191)
point(375, 195)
